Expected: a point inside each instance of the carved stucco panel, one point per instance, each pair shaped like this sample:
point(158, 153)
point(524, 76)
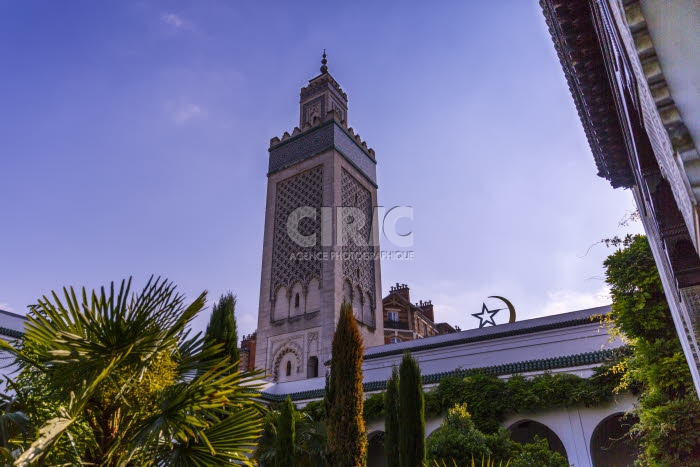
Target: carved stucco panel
point(304, 189)
point(358, 260)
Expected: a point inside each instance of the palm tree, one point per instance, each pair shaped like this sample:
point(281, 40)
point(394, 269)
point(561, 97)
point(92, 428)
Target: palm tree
point(123, 371)
point(309, 442)
point(15, 427)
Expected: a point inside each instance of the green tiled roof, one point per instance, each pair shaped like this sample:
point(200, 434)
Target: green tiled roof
point(11, 332)
point(578, 360)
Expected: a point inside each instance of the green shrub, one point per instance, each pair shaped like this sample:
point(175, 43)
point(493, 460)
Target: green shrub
point(458, 440)
point(411, 413)
point(374, 407)
point(668, 430)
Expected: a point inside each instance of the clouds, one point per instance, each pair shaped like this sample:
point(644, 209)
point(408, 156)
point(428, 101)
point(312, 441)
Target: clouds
point(183, 113)
point(174, 20)
point(562, 301)
point(193, 93)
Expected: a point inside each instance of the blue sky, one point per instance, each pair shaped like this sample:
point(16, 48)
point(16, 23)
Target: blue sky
point(134, 136)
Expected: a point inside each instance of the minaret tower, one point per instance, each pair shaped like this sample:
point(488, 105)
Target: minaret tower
point(320, 247)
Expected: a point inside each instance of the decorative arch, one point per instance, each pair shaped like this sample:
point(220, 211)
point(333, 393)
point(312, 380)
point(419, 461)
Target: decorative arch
point(357, 303)
point(297, 304)
point(367, 309)
point(312, 367)
point(524, 431)
point(280, 305)
point(375, 449)
point(286, 349)
point(313, 295)
point(610, 443)
point(347, 291)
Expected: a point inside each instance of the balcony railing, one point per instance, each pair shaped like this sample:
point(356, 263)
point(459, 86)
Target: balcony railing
point(388, 324)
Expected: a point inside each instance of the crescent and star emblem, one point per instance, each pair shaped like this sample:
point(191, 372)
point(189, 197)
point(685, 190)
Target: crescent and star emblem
point(486, 315)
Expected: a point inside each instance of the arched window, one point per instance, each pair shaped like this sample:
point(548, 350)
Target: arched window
point(312, 368)
point(296, 301)
point(611, 443)
point(289, 368)
point(525, 431)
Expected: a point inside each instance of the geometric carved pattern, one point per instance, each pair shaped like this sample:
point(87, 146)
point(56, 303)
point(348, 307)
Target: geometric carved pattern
point(316, 140)
point(302, 147)
point(358, 266)
point(354, 153)
point(337, 106)
point(691, 297)
point(289, 347)
point(304, 189)
point(314, 111)
point(312, 337)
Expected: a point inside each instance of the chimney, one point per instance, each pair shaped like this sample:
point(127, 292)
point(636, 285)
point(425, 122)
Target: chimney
point(401, 289)
point(248, 345)
point(427, 308)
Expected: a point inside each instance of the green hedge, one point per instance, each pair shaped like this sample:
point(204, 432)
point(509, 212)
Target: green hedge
point(491, 399)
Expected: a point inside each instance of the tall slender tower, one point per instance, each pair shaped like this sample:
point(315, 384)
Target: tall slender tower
point(320, 247)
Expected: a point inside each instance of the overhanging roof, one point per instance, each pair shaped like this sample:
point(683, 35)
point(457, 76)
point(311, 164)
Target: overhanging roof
point(570, 23)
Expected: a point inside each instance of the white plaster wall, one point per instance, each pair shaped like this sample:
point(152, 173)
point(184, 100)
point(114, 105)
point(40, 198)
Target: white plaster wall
point(673, 27)
point(575, 426)
point(14, 322)
point(541, 345)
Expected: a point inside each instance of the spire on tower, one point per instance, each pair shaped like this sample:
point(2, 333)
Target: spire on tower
point(324, 68)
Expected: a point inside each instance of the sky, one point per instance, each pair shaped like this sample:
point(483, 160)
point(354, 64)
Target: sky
point(134, 137)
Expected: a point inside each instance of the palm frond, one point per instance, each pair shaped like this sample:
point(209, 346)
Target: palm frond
point(53, 429)
point(189, 410)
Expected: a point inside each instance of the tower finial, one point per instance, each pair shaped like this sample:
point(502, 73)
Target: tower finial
point(324, 68)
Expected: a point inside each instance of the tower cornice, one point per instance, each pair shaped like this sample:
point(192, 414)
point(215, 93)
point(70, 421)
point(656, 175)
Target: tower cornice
point(318, 83)
point(316, 140)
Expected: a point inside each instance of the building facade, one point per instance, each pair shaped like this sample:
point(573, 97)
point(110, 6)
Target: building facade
point(320, 243)
point(11, 330)
point(406, 321)
point(247, 352)
point(573, 343)
point(634, 73)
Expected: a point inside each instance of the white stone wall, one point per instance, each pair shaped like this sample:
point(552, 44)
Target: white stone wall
point(13, 322)
point(574, 426)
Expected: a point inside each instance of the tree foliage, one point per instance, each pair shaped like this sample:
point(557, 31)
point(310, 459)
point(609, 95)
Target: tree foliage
point(347, 442)
point(222, 327)
point(391, 420)
point(15, 427)
point(492, 399)
point(285, 435)
point(668, 430)
point(309, 449)
point(458, 441)
point(412, 413)
point(122, 382)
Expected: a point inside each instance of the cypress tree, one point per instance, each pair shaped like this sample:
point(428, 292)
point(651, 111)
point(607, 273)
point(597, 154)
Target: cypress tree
point(412, 404)
point(391, 420)
point(347, 443)
point(286, 433)
point(222, 327)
